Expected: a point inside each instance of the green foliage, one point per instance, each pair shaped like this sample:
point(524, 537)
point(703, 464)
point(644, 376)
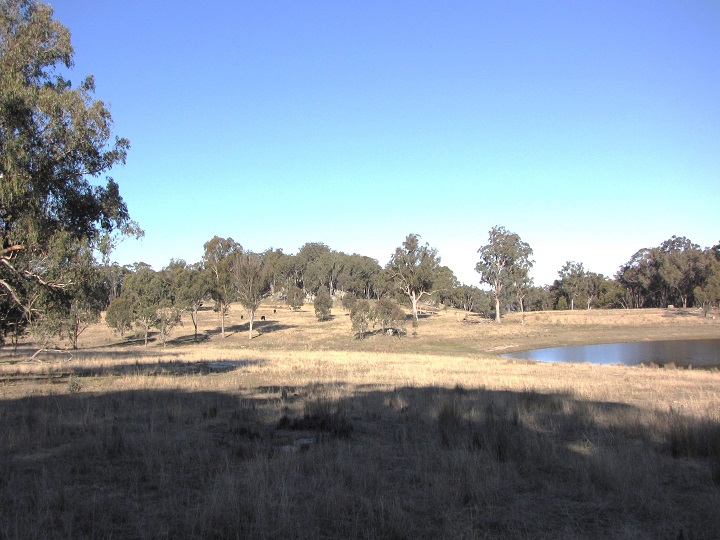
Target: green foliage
point(360, 316)
point(146, 290)
point(295, 297)
point(348, 301)
point(573, 281)
point(279, 268)
point(119, 315)
point(312, 262)
point(561, 303)
point(167, 317)
point(388, 314)
point(415, 269)
point(53, 137)
point(191, 287)
point(470, 298)
point(68, 310)
point(708, 295)
point(323, 304)
point(667, 274)
point(217, 260)
point(358, 275)
point(251, 280)
point(504, 263)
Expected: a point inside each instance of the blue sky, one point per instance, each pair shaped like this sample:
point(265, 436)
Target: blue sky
point(591, 129)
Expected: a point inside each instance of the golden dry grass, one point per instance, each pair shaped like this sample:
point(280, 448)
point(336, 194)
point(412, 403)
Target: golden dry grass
point(307, 432)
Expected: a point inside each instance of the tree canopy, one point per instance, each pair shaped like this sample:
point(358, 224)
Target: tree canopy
point(53, 138)
point(414, 268)
point(504, 260)
point(251, 280)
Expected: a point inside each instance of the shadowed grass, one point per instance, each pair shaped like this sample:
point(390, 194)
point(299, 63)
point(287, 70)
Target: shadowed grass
point(410, 462)
point(305, 432)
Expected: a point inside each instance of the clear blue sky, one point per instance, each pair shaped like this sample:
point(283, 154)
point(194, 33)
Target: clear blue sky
point(591, 129)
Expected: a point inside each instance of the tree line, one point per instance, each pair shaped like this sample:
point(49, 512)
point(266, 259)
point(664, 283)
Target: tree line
point(59, 226)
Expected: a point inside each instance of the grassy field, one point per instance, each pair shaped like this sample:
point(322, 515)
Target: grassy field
point(307, 432)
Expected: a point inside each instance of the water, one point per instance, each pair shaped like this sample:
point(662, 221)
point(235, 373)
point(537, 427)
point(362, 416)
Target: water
point(695, 352)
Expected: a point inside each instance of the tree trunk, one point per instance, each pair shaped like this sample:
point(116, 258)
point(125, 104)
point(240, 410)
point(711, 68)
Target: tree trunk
point(251, 312)
point(572, 303)
point(75, 334)
point(414, 301)
point(497, 309)
point(194, 317)
point(222, 319)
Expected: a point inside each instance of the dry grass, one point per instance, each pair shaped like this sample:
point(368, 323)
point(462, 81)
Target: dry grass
point(305, 432)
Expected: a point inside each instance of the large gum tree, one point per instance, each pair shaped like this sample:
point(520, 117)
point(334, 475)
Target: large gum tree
point(54, 138)
point(414, 268)
point(504, 261)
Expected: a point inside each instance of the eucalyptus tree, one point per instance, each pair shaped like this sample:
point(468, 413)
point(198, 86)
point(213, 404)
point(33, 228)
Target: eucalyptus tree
point(279, 268)
point(640, 279)
point(323, 304)
point(445, 284)
point(53, 138)
point(358, 275)
point(251, 281)
point(308, 273)
point(595, 288)
point(573, 282)
point(217, 260)
point(119, 315)
point(502, 262)
point(145, 290)
point(388, 315)
point(414, 268)
point(683, 267)
point(295, 297)
point(191, 284)
point(470, 298)
point(85, 297)
point(667, 274)
point(360, 316)
point(522, 284)
point(708, 294)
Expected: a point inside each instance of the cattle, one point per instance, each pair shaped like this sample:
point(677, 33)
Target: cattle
point(262, 318)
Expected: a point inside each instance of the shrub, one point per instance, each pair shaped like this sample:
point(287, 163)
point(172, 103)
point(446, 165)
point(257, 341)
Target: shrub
point(323, 304)
point(349, 300)
point(360, 316)
point(119, 315)
point(295, 297)
point(388, 314)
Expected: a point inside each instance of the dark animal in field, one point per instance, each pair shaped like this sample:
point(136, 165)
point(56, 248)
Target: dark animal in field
point(262, 318)
point(274, 310)
point(242, 317)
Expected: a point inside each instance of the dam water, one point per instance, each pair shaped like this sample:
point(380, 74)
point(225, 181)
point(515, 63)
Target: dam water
point(703, 353)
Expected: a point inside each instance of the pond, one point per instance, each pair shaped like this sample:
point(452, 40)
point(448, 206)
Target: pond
point(682, 353)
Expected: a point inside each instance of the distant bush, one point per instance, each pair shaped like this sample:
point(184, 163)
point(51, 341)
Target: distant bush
point(295, 297)
point(323, 304)
point(360, 317)
point(119, 315)
point(349, 300)
point(388, 315)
